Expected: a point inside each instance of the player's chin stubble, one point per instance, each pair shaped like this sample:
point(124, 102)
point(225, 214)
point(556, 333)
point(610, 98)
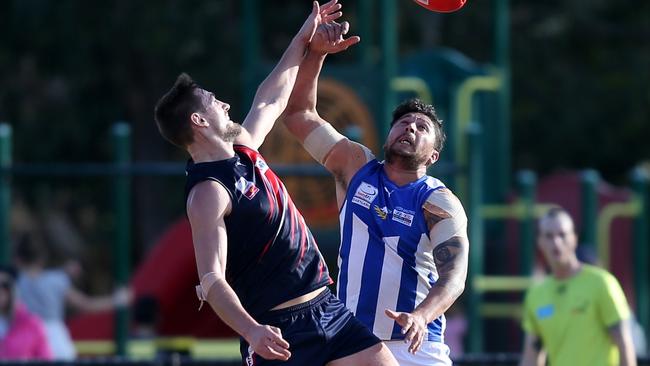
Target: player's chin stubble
point(231, 133)
point(409, 162)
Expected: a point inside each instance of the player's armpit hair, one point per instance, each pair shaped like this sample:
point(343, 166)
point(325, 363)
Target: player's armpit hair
point(207, 281)
point(321, 140)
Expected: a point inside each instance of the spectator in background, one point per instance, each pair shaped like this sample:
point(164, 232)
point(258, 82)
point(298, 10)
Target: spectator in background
point(578, 315)
point(586, 254)
point(22, 335)
point(46, 292)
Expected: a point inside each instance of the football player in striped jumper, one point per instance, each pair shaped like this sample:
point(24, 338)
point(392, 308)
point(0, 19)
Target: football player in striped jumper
point(259, 266)
point(404, 247)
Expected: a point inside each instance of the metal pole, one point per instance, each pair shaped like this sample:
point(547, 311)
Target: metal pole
point(389, 64)
point(476, 235)
point(5, 192)
point(502, 61)
point(640, 251)
point(589, 181)
point(250, 49)
point(463, 105)
point(364, 19)
point(527, 182)
point(122, 199)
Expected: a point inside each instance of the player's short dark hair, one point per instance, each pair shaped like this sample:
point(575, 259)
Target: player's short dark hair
point(173, 110)
point(415, 105)
point(554, 212)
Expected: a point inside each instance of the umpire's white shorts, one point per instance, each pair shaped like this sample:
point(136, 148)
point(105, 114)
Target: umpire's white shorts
point(429, 354)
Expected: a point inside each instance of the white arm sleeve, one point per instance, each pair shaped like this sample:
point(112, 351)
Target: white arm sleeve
point(321, 140)
point(443, 204)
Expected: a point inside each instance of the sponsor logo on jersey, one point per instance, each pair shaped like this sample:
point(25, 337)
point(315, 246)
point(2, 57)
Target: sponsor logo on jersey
point(382, 212)
point(365, 194)
point(545, 311)
point(403, 216)
point(580, 308)
point(247, 188)
point(261, 165)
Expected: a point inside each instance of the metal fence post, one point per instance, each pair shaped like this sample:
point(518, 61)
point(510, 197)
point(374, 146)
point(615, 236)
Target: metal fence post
point(476, 234)
point(122, 200)
point(527, 182)
point(589, 205)
point(640, 249)
point(389, 36)
point(5, 192)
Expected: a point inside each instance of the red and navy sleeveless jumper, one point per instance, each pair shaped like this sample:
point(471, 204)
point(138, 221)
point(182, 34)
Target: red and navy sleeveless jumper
point(272, 255)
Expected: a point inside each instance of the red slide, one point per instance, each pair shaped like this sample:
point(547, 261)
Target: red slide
point(168, 274)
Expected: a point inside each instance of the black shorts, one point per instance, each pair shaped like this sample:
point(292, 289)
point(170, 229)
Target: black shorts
point(318, 331)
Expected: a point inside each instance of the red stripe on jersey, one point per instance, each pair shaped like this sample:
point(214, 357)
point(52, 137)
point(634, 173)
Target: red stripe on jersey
point(259, 161)
point(303, 229)
point(272, 204)
point(264, 250)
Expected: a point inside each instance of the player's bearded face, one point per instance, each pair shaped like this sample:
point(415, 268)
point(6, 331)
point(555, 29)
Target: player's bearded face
point(410, 142)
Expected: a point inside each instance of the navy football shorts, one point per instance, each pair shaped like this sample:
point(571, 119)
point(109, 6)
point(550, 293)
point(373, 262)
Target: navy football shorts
point(318, 331)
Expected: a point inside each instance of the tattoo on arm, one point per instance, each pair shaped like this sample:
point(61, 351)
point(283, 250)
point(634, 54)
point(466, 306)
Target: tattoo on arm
point(450, 258)
point(444, 255)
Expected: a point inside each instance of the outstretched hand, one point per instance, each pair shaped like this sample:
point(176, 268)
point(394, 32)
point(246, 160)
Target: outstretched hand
point(329, 12)
point(329, 38)
point(414, 327)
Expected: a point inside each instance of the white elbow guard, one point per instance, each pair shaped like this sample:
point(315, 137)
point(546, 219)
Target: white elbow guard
point(202, 289)
point(321, 140)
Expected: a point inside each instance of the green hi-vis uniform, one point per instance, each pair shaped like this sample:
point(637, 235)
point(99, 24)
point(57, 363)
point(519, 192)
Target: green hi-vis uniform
point(572, 317)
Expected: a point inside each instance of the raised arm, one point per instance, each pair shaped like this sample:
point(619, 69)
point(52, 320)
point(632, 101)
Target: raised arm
point(273, 93)
point(339, 155)
point(447, 225)
point(207, 205)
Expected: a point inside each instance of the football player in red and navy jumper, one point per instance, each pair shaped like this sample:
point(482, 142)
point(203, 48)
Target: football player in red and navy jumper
point(259, 266)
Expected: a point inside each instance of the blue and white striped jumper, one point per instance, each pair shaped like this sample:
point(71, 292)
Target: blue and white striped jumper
point(386, 257)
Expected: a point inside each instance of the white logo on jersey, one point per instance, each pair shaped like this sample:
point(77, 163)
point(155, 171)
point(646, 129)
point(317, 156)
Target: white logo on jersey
point(261, 165)
point(247, 188)
point(365, 194)
point(389, 191)
point(403, 216)
point(425, 2)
